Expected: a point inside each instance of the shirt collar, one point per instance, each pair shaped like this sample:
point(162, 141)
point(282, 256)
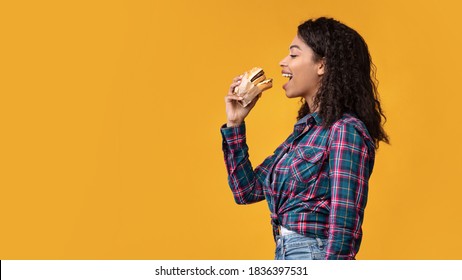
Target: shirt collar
point(309, 118)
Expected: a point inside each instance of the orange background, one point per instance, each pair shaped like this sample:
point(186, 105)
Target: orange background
point(110, 114)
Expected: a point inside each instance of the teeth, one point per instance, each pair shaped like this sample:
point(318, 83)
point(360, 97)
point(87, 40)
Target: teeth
point(287, 75)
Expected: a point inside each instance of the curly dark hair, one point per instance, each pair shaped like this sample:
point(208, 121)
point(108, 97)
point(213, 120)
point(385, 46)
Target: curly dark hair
point(349, 84)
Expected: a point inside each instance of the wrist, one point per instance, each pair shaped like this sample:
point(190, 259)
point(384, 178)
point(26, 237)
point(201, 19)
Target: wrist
point(233, 123)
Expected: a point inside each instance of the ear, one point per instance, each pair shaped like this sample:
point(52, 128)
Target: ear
point(321, 66)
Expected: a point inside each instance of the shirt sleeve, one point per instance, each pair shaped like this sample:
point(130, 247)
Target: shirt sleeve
point(242, 179)
point(350, 165)
point(246, 183)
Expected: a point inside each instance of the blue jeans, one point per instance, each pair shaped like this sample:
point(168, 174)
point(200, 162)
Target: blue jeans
point(298, 247)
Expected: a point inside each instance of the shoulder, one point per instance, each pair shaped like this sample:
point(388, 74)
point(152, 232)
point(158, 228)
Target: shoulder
point(351, 129)
point(348, 121)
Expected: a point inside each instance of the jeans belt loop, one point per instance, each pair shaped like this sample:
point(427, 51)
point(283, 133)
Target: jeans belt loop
point(319, 242)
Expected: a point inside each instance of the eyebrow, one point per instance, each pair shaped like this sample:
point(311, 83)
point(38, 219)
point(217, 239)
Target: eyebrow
point(294, 46)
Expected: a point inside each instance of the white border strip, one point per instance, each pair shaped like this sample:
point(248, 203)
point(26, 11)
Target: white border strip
point(190, 270)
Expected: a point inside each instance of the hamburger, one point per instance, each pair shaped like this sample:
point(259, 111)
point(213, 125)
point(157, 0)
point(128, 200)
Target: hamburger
point(252, 84)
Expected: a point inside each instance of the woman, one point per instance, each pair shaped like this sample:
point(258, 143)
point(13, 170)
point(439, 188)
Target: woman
point(316, 182)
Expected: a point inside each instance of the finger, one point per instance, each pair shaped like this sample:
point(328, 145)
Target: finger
point(234, 97)
point(238, 78)
point(230, 98)
point(233, 85)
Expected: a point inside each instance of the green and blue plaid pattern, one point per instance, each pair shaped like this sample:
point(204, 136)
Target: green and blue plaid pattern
point(315, 183)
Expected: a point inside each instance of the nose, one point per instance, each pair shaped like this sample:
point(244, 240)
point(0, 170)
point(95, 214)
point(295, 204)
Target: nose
point(283, 62)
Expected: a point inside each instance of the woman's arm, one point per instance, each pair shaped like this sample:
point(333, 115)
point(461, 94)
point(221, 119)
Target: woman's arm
point(246, 183)
point(241, 176)
point(350, 165)
point(242, 179)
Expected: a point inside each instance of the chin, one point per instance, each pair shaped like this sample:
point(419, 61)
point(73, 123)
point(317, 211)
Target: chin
point(290, 94)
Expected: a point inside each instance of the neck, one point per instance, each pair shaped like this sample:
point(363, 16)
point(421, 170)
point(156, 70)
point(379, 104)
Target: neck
point(310, 102)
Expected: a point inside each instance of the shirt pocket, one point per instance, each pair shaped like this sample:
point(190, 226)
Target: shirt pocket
point(306, 164)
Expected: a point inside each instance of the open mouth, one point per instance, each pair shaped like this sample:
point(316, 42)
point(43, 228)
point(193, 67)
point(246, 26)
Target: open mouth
point(287, 75)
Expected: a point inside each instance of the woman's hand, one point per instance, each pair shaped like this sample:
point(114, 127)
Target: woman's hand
point(234, 111)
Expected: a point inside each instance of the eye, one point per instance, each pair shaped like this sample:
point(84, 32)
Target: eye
point(293, 56)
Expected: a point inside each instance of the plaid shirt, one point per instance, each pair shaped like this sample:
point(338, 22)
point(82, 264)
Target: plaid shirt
point(315, 183)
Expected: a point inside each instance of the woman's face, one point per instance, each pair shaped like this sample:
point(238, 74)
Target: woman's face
point(303, 72)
